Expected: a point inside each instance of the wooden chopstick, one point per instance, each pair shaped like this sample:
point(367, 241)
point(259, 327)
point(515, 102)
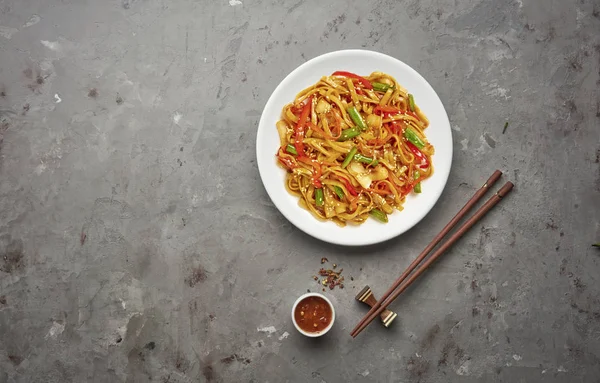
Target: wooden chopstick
point(445, 246)
point(462, 212)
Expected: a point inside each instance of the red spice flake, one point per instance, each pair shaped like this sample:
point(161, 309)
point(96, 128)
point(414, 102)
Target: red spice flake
point(332, 278)
point(323, 260)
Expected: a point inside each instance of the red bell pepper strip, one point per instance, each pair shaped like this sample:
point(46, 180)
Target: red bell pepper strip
point(406, 189)
point(349, 186)
point(412, 114)
point(300, 130)
point(417, 153)
point(285, 160)
point(363, 81)
point(386, 110)
point(397, 127)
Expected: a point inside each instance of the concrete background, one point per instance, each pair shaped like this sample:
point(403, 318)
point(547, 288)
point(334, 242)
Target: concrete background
point(132, 123)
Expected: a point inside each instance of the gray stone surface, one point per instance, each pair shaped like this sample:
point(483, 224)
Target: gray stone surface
point(133, 123)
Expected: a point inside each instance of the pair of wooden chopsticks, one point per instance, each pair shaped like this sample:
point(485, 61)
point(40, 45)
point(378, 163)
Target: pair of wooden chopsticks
point(398, 287)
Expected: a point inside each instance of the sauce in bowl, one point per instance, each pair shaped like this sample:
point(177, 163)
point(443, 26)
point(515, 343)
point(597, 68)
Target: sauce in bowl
point(313, 314)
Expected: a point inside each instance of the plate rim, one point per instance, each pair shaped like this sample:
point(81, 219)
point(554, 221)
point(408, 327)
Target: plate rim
point(315, 233)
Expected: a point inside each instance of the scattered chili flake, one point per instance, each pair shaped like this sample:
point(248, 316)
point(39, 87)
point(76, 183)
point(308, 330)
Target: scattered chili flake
point(323, 289)
point(332, 278)
point(323, 260)
point(315, 277)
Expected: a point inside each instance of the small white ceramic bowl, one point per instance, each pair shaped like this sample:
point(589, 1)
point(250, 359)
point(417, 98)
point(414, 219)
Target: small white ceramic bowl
point(326, 329)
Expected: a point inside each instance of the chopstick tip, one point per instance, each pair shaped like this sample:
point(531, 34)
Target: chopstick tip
point(508, 186)
point(492, 180)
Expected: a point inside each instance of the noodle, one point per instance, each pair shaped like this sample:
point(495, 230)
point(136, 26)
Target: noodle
point(354, 147)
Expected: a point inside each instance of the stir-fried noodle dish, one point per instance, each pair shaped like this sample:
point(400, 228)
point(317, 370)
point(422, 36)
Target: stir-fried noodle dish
point(354, 147)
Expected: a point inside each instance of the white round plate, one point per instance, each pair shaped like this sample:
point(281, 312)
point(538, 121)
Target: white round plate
point(363, 63)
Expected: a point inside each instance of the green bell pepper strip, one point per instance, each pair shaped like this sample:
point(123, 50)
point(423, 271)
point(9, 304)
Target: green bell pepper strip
point(319, 197)
point(379, 215)
point(411, 136)
point(356, 117)
point(411, 102)
point(417, 187)
point(339, 192)
point(348, 134)
point(291, 149)
point(349, 157)
point(380, 87)
point(365, 160)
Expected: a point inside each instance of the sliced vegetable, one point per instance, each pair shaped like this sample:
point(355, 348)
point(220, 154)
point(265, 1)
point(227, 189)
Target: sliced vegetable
point(286, 161)
point(396, 127)
point(291, 149)
point(417, 187)
point(348, 134)
point(380, 87)
point(379, 215)
point(322, 106)
point(349, 157)
point(356, 117)
point(380, 173)
point(340, 193)
point(319, 197)
point(412, 137)
point(411, 102)
point(596, 244)
point(373, 120)
point(505, 127)
point(365, 160)
point(360, 174)
point(349, 186)
point(385, 110)
point(417, 153)
point(363, 81)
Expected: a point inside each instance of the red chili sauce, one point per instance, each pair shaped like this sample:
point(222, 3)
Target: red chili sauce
point(313, 314)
